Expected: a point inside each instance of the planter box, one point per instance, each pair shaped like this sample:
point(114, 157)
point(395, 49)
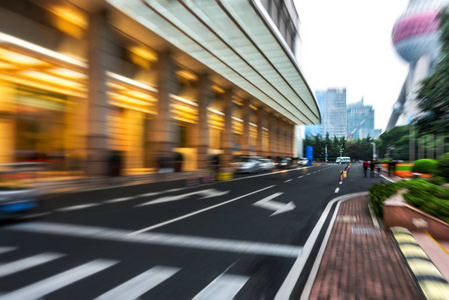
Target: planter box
point(399, 213)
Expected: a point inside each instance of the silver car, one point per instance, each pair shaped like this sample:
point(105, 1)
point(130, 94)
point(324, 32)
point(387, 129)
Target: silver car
point(247, 164)
point(266, 164)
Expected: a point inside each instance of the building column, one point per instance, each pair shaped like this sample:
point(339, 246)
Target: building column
point(246, 113)
point(163, 128)
point(272, 135)
point(7, 124)
point(281, 137)
point(278, 137)
point(227, 133)
point(201, 141)
point(98, 107)
point(292, 140)
point(259, 142)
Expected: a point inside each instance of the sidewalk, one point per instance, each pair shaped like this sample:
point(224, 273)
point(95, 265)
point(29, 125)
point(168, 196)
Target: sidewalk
point(361, 261)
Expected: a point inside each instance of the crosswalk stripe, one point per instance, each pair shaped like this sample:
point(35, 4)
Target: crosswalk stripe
point(6, 249)
point(29, 262)
point(224, 287)
point(140, 284)
point(51, 284)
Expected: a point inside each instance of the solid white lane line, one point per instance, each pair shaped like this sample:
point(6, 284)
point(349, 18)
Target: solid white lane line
point(29, 262)
point(6, 249)
point(197, 212)
point(300, 176)
point(224, 287)
point(119, 200)
point(139, 285)
point(288, 180)
point(337, 190)
point(81, 206)
point(51, 284)
point(161, 239)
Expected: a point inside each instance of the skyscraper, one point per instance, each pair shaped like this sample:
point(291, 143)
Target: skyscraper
point(415, 37)
point(360, 120)
point(333, 119)
point(332, 103)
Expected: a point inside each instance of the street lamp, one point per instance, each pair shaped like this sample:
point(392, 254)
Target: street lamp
point(341, 151)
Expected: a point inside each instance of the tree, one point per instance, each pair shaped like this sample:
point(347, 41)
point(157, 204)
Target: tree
point(433, 96)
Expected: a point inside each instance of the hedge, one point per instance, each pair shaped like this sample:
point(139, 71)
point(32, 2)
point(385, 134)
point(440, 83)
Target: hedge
point(426, 196)
point(426, 166)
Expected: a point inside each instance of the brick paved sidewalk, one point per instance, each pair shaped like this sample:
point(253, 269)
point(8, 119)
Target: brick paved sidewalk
point(360, 261)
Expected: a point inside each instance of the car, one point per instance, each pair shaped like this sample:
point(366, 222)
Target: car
point(303, 162)
point(343, 160)
point(285, 163)
point(247, 164)
point(18, 196)
point(266, 164)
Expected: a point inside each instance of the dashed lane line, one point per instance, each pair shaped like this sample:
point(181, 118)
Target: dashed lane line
point(337, 190)
point(119, 200)
point(288, 180)
point(76, 207)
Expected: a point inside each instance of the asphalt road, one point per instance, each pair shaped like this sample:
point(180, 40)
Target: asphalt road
point(239, 239)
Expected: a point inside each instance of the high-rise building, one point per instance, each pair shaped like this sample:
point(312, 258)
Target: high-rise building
point(333, 119)
point(332, 103)
point(360, 120)
point(416, 39)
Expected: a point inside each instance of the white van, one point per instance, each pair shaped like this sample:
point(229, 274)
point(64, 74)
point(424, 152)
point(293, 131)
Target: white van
point(343, 160)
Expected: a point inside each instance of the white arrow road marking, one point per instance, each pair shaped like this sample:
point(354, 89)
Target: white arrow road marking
point(208, 193)
point(277, 207)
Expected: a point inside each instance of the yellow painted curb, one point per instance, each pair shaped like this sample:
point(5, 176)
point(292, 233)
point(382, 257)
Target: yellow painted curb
point(432, 283)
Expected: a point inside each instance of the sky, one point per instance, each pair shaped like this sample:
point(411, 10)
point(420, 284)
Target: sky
point(347, 43)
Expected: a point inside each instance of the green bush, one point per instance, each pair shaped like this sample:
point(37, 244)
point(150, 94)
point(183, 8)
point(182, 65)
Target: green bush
point(424, 166)
point(381, 192)
point(422, 194)
point(437, 180)
point(429, 198)
point(442, 167)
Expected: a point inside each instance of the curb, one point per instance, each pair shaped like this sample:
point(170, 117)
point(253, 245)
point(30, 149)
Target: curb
point(429, 280)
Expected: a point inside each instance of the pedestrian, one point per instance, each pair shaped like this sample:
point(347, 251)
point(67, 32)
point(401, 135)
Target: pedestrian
point(365, 167)
point(372, 165)
point(379, 167)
